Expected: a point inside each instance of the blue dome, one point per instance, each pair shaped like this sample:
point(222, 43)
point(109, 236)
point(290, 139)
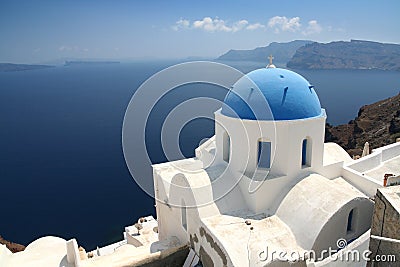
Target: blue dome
point(272, 94)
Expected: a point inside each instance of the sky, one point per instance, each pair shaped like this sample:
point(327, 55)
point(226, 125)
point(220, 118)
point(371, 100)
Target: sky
point(43, 31)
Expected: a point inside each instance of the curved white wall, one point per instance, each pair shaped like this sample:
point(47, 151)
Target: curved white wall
point(285, 135)
point(317, 211)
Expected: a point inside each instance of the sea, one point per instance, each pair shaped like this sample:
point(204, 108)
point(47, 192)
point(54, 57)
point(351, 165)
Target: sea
point(62, 167)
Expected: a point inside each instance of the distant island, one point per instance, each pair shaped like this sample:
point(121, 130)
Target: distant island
point(356, 54)
point(282, 52)
point(302, 54)
point(8, 67)
point(76, 63)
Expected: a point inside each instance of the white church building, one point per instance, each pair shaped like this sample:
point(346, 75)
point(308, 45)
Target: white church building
point(266, 182)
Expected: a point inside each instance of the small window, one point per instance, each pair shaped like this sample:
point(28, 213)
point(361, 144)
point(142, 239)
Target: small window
point(264, 154)
point(306, 153)
point(350, 222)
point(183, 215)
point(226, 147)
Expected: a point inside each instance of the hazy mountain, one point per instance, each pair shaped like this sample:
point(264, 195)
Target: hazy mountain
point(91, 63)
point(355, 54)
point(282, 52)
point(20, 67)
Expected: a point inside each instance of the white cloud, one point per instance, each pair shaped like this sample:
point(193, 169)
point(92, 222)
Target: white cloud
point(332, 29)
point(278, 24)
point(209, 24)
point(284, 24)
point(313, 27)
point(239, 25)
point(181, 24)
point(64, 48)
point(68, 48)
point(255, 26)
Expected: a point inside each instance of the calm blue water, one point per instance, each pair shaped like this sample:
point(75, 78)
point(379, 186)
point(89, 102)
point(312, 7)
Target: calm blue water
point(62, 170)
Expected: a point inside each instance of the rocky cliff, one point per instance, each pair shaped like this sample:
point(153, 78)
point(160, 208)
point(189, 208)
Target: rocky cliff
point(13, 247)
point(355, 54)
point(378, 124)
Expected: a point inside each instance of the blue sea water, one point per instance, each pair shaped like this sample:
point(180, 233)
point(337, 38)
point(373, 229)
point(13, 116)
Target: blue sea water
point(62, 170)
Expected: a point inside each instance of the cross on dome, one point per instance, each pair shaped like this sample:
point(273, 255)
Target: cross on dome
point(270, 59)
point(270, 65)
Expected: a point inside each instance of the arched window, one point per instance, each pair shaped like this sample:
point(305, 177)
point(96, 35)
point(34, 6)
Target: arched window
point(226, 149)
point(306, 153)
point(264, 154)
point(183, 215)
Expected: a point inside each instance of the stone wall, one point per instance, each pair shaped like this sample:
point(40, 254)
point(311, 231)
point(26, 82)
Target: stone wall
point(386, 223)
